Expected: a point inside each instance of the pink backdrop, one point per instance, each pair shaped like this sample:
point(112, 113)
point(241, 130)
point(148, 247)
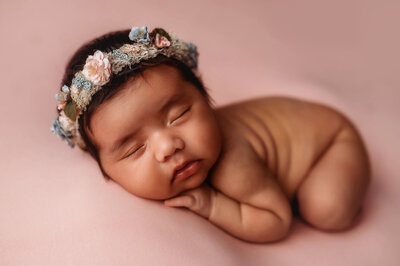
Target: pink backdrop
point(55, 207)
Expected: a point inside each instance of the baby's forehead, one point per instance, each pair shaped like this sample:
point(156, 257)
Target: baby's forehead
point(160, 79)
point(145, 92)
point(161, 75)
point(135, 108)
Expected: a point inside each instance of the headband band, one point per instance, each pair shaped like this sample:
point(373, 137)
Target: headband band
point(100, 67)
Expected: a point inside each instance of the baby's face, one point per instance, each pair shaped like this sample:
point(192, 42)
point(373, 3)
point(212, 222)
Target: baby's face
point(149, 128)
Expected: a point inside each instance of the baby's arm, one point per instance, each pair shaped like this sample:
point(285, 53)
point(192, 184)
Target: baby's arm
point(258, 212)
point(248, 222)
point(262, 213)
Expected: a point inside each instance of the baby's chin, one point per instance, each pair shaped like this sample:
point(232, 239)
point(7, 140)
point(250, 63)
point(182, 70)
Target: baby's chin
point(175, 191)
point(190, 184)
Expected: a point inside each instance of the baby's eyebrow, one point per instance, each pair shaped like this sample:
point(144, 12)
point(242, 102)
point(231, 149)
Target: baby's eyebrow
point(164, 106)
point(171, 101)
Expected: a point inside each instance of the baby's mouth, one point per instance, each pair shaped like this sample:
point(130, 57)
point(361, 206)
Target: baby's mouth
point(185, 170)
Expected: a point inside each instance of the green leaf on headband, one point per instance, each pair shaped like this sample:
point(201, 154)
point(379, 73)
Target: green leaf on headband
point(70, 110)
point(161, 32)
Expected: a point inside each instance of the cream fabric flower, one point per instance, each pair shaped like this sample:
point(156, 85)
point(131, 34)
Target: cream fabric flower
point(97, 69)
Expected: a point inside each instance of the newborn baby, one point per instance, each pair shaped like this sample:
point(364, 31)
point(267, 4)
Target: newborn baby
point(242, 166)
point(239, 166)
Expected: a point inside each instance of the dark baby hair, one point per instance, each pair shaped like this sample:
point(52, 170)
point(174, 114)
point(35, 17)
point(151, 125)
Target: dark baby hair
point(106, 43)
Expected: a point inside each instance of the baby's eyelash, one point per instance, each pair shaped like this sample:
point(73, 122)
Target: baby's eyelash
point(132, 153)
point(184, 112)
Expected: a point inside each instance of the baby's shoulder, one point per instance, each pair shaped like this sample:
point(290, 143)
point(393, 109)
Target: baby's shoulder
point(239, 168)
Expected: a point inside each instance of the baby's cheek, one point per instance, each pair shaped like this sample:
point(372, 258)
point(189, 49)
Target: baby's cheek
point(206, 134)
point(146, 181)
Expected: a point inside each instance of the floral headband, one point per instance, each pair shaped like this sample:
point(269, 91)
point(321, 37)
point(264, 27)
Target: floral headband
point(100, 67)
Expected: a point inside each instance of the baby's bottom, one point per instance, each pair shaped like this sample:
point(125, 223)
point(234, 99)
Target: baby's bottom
point(332, 193)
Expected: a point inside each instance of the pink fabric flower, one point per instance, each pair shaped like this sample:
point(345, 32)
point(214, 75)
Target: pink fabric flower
point(97, 69)
point(62, 97)
point(61, 105)
point(161, 41)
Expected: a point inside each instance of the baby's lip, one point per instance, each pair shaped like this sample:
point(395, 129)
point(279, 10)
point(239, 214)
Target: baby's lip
point(180, 166)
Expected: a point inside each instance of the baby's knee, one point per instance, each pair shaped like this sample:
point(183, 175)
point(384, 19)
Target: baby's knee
point(329, 213)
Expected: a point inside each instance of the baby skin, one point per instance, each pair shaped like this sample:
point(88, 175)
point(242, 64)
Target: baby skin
point(245, 167)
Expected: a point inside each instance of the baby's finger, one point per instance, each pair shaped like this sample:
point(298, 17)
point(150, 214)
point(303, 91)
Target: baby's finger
point(185, 201)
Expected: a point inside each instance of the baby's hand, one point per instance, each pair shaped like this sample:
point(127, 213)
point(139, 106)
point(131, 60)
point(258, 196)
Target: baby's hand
point(199, 200)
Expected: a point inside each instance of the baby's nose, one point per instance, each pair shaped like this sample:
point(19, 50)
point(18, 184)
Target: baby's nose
point(166, 144)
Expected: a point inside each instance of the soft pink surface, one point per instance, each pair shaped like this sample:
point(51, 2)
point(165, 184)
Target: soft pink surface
point(57, 210)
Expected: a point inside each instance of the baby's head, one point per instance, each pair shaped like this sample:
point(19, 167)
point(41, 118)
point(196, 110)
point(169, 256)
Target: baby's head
point(145, 120)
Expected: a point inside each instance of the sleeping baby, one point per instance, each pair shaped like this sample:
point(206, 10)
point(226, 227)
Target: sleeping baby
point(135, 102)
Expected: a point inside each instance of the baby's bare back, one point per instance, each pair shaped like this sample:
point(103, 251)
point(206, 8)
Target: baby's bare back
point(287, 135)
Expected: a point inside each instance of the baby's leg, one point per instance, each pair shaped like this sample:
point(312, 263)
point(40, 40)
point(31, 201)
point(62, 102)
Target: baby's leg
point(331, 194)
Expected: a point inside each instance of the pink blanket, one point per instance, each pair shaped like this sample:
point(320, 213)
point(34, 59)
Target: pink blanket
point(55, 207)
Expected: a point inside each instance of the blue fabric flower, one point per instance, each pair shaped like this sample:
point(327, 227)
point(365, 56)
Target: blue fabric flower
point(65, 89)
point(60, 97)
point(192, 53)
point(63, 96)
point(64, 135)
point(80, 82)
point(139, 34)
point(121, 55)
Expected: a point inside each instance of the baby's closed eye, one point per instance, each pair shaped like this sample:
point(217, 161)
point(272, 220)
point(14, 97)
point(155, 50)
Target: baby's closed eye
point(135, 150)
point(180, 114)
point(138, 149)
